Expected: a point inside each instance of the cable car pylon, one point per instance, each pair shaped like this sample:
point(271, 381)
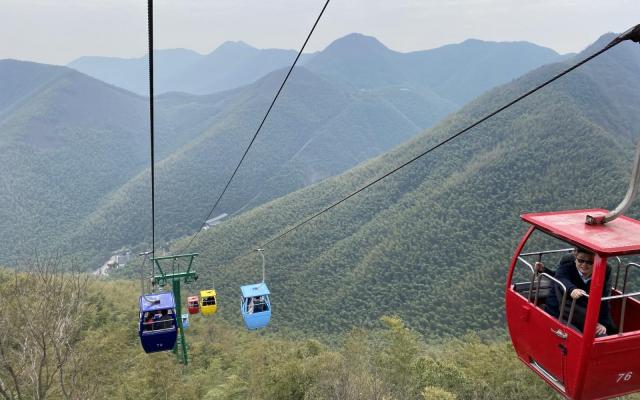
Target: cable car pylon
point(175, 277)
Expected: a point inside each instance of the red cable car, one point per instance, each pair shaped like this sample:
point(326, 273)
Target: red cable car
point(553, 319)
point(577, 364)
point(193, 304)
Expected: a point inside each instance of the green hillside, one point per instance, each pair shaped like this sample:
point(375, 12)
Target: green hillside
point(67, 142)
point(77, 152)
point(60, 150)
point(317, 129)
point(432, 242)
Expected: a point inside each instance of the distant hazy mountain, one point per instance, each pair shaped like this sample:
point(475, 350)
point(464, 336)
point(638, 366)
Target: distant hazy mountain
point(133, 73)
point(231, 65)
point(457, 72)
point(432, 243)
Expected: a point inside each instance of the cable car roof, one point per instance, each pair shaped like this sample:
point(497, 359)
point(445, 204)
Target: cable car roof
point(166, 301)
point(259, 289)
point(621, 236)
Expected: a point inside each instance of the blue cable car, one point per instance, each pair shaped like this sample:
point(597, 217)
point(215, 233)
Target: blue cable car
point(158, 328)
point(255, 306)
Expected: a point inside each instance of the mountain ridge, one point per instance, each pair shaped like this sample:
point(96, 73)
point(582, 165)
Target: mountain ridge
point(235, 63)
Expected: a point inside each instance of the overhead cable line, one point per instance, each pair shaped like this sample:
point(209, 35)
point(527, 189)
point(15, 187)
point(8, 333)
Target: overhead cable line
point(151, 127)
point(152, 157)
point(259, 127)
point(631, 34)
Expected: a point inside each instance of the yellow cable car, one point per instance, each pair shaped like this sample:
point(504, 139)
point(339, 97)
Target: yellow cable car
point(208, 303)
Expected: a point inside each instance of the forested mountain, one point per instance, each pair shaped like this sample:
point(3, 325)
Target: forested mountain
point(231, 65)
point(432, 242)
point(77, 152)
point(67, 141)
point(79, 147)
point(61, 149)
point(317, 129)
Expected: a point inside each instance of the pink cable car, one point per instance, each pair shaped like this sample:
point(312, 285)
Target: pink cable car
point(193, 304)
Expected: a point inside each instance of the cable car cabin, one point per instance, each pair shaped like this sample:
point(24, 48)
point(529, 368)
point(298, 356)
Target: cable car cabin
point(555, 335)
point(255, 306)
point(193, 304)
point(185, 321)
point(208, 302)
point(158, 328)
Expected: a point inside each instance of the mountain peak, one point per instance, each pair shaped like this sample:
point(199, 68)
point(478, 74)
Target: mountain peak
point(356, 42)
point(600, 43)
point(234, 45)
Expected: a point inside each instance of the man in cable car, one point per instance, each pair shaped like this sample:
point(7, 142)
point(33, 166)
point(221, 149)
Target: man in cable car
point(166, 320)
point(575, 272)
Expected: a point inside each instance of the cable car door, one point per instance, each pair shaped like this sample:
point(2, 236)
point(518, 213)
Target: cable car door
point(539, 339)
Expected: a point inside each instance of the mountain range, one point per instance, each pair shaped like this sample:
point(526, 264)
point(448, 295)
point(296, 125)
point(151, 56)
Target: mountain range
point(457, 73)
point(231, 65)
point(77, 148)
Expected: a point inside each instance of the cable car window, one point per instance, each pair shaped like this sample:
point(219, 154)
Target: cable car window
point(259, 304)
point(209, 301)
point(556, 278)
point(527, 279)
point(623, 299)
point(161, 319)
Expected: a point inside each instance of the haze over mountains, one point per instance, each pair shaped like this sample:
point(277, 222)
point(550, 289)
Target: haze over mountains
point(77, 149)
point(231, 65)
point(432, 243)
point(456, 72)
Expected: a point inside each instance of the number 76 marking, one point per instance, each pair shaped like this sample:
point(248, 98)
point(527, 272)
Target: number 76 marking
point(624, 376)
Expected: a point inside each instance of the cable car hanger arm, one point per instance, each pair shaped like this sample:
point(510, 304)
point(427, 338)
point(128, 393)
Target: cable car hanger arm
point(632, 34)
point(626, 201)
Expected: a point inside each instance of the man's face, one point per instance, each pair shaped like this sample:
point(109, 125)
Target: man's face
point(584, 263)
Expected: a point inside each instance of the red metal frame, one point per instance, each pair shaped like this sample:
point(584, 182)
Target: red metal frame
point(579, 366)
point(618, 237)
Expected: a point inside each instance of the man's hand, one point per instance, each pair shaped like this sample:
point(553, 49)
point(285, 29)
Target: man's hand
point(577, 293)
point(539, 267)
point(600, 330)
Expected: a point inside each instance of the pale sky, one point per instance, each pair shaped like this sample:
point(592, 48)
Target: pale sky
point(59, 31)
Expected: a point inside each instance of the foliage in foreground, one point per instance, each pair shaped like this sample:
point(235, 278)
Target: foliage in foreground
point(105, 360)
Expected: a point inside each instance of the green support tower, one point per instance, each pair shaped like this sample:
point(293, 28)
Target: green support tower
point(175, 276)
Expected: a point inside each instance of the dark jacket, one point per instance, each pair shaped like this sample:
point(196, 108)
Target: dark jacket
point(567, 273)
